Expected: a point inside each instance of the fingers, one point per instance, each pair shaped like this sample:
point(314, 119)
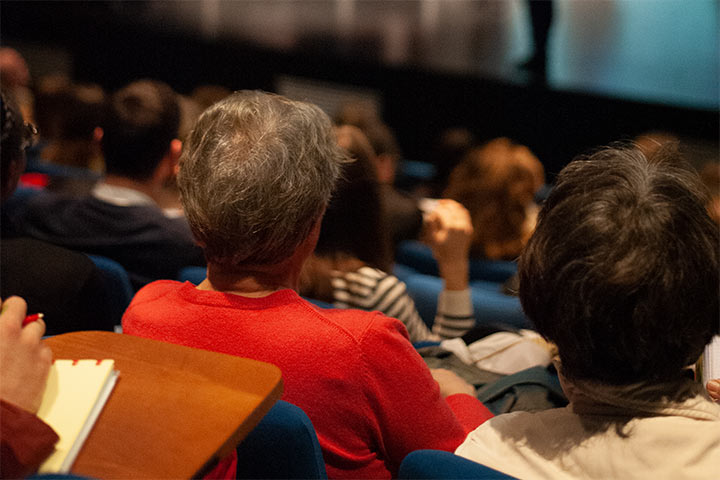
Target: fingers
point(34, 330)
point(713, 388)
point(14, 310)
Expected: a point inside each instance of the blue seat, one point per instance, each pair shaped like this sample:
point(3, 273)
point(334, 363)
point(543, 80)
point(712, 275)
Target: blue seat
point(283, 445)
point(418, 256)
point(118, 282)
point(319, 303)
point(437, 464)
point(489, 303)
point(194, 275)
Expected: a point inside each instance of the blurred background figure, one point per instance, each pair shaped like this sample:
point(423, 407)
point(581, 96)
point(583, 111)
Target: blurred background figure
point(63, 285)
point(497, 183)
point(353, 258)
point(404, 217)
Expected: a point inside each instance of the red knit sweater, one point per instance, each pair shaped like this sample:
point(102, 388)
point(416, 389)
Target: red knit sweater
point(369, 395)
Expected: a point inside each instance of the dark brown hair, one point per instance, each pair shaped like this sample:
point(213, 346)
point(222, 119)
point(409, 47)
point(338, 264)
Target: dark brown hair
point(622, 270)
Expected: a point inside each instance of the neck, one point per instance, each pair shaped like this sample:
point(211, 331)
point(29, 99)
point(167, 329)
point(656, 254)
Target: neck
point(146, 187)
point(251, 280)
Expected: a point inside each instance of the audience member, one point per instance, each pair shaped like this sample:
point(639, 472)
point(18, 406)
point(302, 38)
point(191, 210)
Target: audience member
point(25, 440)
point(622, 275)
point(447, 151)
point(76, 133)
point(255, 177)
point(120, 219)
point(497, 184)
point(64, 285)
point(353, 252)
point(405, 219)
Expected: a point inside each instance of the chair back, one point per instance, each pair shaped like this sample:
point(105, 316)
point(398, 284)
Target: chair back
point(490, 305)
point(283, 445)
point(437, 464)
point(418, 256)
point(120, 290)
point(194, 275)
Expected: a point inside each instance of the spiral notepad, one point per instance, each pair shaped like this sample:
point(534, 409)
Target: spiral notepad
point(75, 395)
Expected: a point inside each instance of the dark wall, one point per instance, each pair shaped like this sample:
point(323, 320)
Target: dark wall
point(111, 48)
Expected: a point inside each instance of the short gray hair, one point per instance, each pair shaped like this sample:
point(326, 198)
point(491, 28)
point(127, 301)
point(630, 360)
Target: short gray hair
point(255, 175)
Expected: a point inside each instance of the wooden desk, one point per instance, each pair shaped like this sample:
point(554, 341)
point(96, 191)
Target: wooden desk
point(174, 409)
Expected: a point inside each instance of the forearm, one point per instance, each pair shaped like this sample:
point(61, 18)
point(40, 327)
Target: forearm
point(454, 313)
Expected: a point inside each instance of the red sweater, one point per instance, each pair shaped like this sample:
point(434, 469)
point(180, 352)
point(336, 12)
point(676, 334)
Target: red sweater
point(368, 393)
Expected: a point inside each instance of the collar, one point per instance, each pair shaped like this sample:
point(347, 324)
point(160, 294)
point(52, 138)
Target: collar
point(683, 397)
point(120, 196)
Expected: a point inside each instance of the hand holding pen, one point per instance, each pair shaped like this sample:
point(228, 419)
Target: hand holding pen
point(24, 360)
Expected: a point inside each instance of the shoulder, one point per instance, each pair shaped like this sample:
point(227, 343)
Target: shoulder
point(363, 326)
point(31, 252)
point(155, 291)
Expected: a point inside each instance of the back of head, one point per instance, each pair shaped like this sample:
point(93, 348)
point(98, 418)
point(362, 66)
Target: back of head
point(142, 119)
point(496, 183)
point(255, 175)
point(354, 223)
point(622, 270)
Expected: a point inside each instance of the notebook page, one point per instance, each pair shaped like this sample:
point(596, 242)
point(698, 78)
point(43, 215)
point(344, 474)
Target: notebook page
point(72, 391)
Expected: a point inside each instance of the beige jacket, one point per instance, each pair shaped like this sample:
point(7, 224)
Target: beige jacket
point(607, 433)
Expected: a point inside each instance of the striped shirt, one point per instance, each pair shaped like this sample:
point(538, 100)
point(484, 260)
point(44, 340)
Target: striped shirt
point(371, 289)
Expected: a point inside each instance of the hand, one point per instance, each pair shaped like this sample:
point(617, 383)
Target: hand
point(450, 383)
point(448, 231)
point(24, 360)
point(713, 388)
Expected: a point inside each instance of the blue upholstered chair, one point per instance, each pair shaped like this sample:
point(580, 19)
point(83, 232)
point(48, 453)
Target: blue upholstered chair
point(118, 282)
point(418, 256)
point(283, 445)
point(194, 275)
point(437, 464)
point(489, 303)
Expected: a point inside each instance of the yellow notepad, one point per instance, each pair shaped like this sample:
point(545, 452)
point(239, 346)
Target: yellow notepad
point(74, 397)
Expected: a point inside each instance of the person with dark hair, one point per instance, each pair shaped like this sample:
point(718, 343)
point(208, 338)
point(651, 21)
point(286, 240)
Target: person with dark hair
point(621, 275)
point(120, 219)
point(405, 217)
point(63, 285)
point(353, 254)
point(255, 177)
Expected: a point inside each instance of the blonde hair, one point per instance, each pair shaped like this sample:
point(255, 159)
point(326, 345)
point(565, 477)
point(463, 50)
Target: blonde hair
point(497, 183)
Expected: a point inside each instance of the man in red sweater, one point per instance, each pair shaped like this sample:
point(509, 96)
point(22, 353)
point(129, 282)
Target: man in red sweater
point(255, 177)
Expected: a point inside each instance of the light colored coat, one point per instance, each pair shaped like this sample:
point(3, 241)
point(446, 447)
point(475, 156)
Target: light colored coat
point(607, 433)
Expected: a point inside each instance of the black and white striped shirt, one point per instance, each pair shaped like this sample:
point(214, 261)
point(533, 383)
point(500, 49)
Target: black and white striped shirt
point(371, 289)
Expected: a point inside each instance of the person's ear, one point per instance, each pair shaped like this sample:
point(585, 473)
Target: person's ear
point(169, 163)
point(97, 135)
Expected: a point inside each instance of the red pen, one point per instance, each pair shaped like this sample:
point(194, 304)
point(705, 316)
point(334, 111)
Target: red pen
point(32, 318)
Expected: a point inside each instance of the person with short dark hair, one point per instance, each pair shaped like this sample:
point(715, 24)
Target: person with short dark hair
point(621, 275)
point(255, 178)
point(121, 218)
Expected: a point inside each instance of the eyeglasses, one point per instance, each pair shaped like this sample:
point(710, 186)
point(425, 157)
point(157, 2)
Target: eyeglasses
point(30, 136)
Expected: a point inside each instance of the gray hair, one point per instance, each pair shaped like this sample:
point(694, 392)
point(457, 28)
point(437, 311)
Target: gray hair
point(255, 175)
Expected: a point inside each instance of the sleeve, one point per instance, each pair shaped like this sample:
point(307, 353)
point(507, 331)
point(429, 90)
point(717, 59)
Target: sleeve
point(409, 413)
point(397, 303)
point(454, 313)
point(26, 441)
